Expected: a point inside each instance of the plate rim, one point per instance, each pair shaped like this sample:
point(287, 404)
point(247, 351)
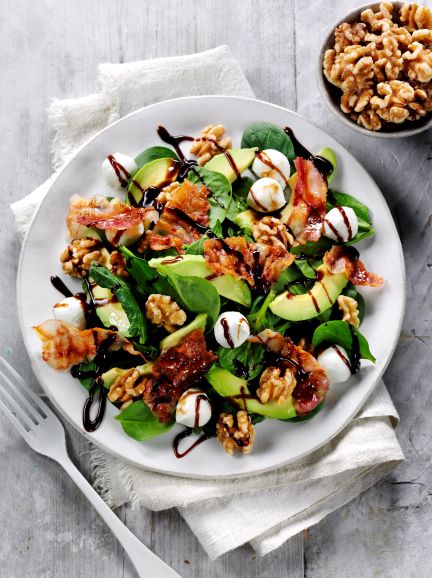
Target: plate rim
point(102, 446)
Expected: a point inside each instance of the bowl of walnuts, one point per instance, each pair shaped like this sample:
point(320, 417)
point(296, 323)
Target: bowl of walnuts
point(375, 69)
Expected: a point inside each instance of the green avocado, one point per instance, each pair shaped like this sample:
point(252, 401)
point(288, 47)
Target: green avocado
point(110, 311)
point(228, 385)
point(246, 219)
point(174, 339)
point(242, 159)
point(157, 173)
point(227, 286)
point(320, 298)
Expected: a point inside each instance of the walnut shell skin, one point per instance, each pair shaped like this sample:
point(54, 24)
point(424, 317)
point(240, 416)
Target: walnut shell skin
point(383, 65)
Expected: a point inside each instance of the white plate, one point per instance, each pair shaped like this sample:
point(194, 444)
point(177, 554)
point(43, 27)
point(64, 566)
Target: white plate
point(276, 443)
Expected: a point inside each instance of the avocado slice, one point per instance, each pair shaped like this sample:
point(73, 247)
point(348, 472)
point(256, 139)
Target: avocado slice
point(246, 219)
point(242, 158)
point(320, 298)
point(227, 286)
point(228, 385)
point(157, 173)
point(174, 339)
point(110, 311)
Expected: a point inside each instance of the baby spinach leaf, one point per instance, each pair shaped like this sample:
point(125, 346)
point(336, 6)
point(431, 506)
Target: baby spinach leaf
point(139, 423)
point(308, 267)
point(314, 248)
point(139, 269)
point(248, 355)
point(89, 366)
point(122, 290)
point(197, 247)
point(240, 190)
point(265, 135)
point(192, 293)
point(153, 153)
point(339, 332)
point(220, 192)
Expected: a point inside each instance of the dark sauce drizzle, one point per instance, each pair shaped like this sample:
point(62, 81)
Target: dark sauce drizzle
point(122, 174)
point(323, 165)
point(355, 351)
point(227, 333)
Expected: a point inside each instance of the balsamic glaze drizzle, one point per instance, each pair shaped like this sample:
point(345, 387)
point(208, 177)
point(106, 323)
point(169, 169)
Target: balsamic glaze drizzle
point(323, 165)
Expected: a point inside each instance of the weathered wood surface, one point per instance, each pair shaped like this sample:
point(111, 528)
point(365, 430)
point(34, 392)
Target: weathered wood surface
point(51, 49)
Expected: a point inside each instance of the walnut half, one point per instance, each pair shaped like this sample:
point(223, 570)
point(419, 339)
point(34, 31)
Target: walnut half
point(235, 433)
point(276, 385)
point(80, 254)
point(349, 308)
point(127, 388)
point(164, 312)
point(211, 142)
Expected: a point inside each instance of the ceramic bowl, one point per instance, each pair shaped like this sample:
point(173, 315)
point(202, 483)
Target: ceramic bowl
point(331, 94)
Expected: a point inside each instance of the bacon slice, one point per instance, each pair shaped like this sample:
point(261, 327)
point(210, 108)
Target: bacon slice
point(342, 259)
point(182, 218)
point(256, 263)
point(177, 370)
point(232, 256)
point(64, 346)
point(310, 193)
point(273, 259)
point(312, 382)
point(103, 214)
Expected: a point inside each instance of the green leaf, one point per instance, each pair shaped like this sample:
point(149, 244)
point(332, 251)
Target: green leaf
point(139, 423)
point(103, 277)
point(265, 135)
point(249, 355)
point(220, 192)
point(339, 332)
point(194, 294)
point(308, 267)
point(197, 247)
point(153, 153)
point(313, 249)
point(240, 190)
point(139, 269)
point(89, 366)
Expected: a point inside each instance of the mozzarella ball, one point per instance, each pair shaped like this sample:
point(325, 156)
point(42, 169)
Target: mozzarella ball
point(274, 164)
point(72, 311)
point(336, 362)
point(341, 224)
point(266, 195)
point(231, 329)
point(124, 237)
point(186, 410)
point(114, 180)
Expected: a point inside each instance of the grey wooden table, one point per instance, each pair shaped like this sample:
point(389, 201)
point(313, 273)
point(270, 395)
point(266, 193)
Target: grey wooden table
point(51, 48)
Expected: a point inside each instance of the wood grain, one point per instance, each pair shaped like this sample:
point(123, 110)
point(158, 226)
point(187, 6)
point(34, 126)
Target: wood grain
point(51, 49)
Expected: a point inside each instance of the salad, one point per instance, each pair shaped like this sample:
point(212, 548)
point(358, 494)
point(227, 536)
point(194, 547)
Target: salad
point(219, 287)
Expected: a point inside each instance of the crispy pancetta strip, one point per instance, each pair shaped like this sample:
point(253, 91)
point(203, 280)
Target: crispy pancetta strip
point(183, 218)
point(64, 346)
point(342, 259)
point(310, 194)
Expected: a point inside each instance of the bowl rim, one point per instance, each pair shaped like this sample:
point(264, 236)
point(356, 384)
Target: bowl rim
point(323, 83)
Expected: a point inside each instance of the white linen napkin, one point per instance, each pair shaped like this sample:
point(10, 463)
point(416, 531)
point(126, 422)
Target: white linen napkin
point(265, 509)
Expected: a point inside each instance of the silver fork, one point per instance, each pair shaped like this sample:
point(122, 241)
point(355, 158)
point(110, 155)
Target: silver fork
point(44, 433)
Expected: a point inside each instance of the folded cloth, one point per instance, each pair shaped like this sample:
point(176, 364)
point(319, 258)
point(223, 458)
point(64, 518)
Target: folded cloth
point(266, 509)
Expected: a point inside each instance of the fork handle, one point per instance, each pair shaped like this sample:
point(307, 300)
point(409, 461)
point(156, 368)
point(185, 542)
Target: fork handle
point(147, 564)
